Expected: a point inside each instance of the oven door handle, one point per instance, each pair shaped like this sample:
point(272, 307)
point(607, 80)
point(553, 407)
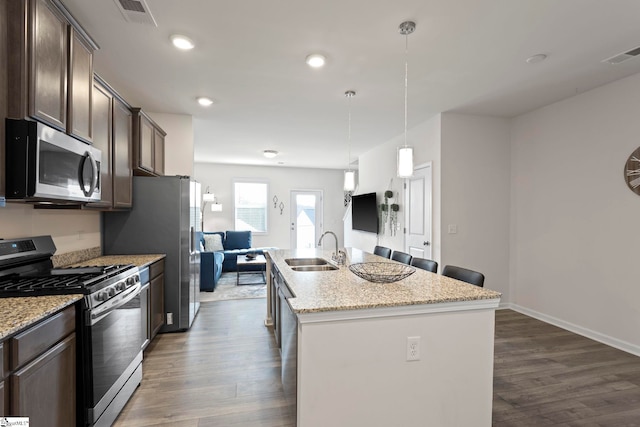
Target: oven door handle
point(94, 316)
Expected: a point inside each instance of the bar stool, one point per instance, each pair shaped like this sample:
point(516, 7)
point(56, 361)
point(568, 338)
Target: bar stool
point(401, 257)
point(425, 264)
point(466, 275)
point(382, 251)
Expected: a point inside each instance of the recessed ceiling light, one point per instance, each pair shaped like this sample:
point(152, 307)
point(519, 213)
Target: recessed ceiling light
point(315, 60)
point(270, 154)
point(182, 42)
point(204, 101)
point(536, 58)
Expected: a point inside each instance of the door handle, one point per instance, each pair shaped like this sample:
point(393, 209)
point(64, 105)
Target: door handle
point(427, 243)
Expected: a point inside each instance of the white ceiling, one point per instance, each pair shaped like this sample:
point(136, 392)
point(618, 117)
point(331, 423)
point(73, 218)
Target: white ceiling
point(465, 55)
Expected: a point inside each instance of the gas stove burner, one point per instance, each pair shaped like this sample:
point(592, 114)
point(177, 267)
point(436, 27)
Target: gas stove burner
point(17, 286)
point(68, 280)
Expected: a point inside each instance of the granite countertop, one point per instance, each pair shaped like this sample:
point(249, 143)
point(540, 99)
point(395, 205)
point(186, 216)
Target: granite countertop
point(138, 260)
point(343, 290)
point(19, 313)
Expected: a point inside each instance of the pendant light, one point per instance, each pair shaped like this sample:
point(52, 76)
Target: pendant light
point(349, 175)
point(405, 153)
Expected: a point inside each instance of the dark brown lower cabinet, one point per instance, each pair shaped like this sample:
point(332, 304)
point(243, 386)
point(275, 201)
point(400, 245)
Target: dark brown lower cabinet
point(145, 303)
point(45, 389)
point(2, 405)
point(4, 370)
point(156, 291)
point(38, 372)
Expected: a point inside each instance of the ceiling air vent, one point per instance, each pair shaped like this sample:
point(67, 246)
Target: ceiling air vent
point(136, 11)
point(621, 57)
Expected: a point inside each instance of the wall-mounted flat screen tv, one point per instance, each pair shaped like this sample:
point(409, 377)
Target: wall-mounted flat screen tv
point(364, 212)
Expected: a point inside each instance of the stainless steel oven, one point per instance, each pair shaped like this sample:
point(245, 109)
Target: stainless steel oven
point(44, 164)
point(112, 355)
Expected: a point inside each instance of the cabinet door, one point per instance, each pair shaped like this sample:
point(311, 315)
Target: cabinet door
point(4, 369)
point(157, 304)
point(122, 145)
point(44, 388)
point(158, 144)
point(145, 296)
point(102, 110)
point(146, 148)
point(80, 87)
point(48, 72)
point(2, 398)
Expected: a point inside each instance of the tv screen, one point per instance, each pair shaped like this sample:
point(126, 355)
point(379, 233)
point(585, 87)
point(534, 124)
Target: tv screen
point(364, 212)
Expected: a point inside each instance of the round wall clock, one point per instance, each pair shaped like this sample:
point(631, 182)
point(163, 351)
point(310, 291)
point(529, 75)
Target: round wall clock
point(632, 171)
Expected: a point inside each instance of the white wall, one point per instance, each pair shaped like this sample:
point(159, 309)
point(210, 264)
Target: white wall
point(377, 173)
point(475, 196)
point(281, 180)
point(178, 144)
point(575, 222)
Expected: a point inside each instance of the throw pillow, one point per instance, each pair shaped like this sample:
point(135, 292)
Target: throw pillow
point(213, 242)
point(237, 240)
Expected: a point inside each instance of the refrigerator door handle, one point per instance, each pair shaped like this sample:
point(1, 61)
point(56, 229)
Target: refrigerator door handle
point(192, 239)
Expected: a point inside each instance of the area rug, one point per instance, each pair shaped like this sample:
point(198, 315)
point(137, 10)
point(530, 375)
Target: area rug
point(227, 289)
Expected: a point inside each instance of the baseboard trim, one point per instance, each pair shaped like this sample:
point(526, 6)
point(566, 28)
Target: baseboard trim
point(585, 332)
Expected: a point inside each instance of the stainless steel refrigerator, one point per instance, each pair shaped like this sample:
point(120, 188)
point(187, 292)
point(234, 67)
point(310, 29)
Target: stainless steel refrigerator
point(164, 219)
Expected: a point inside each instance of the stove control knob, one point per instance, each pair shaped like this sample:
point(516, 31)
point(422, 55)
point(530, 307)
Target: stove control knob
point(130, 281)
point(121, 286)
point(102, 296)
point(111, 292)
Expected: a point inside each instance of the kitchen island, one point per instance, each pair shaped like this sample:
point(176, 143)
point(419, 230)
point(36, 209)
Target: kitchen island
point(345, 345)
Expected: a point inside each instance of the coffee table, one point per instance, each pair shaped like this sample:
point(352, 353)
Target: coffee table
point(242, 261)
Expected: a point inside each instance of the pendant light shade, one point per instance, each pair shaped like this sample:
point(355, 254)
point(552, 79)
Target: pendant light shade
point(405, 162)
point(405, 153)
point(349, 175)
point(349, 180)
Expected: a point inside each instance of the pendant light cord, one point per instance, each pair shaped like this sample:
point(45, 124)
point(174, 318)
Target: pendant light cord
point(406, 84)
point(349, 94)
point(349, 137)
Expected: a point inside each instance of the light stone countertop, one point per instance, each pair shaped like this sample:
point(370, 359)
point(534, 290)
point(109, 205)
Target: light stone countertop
point(138, 260)
point(343, 290)
point(19, 313)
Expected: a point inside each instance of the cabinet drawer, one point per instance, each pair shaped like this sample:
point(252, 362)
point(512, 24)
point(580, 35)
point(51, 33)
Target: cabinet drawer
point(37, 339)
point(156, 269)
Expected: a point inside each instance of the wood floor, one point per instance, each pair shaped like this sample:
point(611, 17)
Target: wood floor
point(226, 372)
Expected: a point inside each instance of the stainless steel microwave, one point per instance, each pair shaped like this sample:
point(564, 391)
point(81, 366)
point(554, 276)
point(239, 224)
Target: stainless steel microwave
point(43, 164)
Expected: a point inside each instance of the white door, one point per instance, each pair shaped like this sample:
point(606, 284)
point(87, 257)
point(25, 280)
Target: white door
point(306, 218)
point(418, 212)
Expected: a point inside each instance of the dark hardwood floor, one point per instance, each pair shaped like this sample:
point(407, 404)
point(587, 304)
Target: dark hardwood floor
point(546, 376)
point(226, 372)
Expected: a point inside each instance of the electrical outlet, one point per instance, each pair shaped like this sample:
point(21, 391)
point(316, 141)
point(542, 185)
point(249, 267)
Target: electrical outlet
point(453, 229)
point(169, 318)
point(413, 348)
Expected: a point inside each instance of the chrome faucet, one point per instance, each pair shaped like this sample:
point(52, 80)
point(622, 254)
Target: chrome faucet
point(338, 256)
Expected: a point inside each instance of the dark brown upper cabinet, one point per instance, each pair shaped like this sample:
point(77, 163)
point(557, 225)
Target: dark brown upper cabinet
point(80, 97)
point(148, 145)
point(50, 66)
point(113, 135)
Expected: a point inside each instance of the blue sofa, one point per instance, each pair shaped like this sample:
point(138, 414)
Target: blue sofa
point(213, 263)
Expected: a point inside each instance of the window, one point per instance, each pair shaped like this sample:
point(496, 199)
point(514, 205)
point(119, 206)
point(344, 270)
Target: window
point(251, 205)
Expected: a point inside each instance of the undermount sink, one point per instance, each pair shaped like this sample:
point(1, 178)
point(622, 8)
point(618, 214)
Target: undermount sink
point(325, 267)
point(306, 261)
